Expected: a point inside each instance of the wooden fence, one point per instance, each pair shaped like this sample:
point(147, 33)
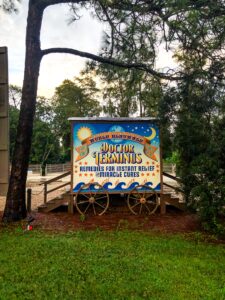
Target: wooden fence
point(50, 168)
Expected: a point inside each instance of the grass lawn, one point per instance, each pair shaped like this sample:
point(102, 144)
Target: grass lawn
point(109, 265)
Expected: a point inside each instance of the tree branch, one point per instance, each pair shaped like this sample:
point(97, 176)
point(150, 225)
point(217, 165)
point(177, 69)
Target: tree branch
point(46, 3)
point(113, 62)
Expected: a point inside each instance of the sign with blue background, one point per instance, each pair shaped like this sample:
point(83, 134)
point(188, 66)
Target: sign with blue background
point(117, 155)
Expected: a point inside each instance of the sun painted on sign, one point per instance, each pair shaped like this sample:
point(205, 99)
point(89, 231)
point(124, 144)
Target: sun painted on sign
point(119, 156)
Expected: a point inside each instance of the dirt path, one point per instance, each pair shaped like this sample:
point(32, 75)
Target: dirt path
point(172, 222)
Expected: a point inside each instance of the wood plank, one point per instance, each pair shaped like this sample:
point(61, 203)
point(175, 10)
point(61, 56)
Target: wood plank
point(58, 187)
point(56, 178)
point(54, 203)
point(172, 177)
point(174, 187)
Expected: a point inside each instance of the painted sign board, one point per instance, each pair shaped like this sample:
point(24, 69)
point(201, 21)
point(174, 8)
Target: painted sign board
point(119, 154)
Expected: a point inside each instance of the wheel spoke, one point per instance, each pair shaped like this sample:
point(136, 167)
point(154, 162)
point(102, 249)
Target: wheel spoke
point(94, 193)
point(135, 193)
point(94, 209)
point(147, 207)
point(102, 197)
point(138, 195)
point(82, 202)
point(135, 205)
point(151, 202)
point(140, 209)
point(85, 196)
point(87, 208)
point(150, 196)
point(100, 205)
point(144, 195)
point(134, 198)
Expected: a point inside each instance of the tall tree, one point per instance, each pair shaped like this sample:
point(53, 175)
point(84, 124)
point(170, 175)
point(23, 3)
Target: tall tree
point(76, 98)
point(195, 110)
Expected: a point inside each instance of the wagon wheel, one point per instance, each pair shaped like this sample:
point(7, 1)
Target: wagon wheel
point(142, 202)
point(88, 201)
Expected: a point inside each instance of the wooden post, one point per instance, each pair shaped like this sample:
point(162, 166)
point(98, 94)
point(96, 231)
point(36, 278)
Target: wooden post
point(45, 193)
point(162, 204)
point(70, 204)
point(29, 191)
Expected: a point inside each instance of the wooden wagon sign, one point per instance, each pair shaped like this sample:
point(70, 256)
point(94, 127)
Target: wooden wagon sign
point(117, 155)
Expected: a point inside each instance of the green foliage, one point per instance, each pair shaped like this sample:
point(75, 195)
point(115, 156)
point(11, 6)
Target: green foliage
point(119, 93)
point(45, 147)
point(76, 98)
point(13, 121)
point(109, 265)
point(51, 126)
point(173, 159)
point(128, 92)
point(209, 194)
point(196, 111)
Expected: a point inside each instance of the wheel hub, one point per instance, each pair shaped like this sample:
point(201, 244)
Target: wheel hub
point(142, 200)
point(91, 199)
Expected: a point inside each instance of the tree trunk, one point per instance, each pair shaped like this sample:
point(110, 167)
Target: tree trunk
point(15, 208)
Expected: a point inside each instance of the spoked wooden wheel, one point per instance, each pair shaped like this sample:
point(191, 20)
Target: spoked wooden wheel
point(142, 200)
point(92, 201)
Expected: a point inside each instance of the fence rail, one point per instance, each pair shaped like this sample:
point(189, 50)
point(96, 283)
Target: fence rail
point(50, 168)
